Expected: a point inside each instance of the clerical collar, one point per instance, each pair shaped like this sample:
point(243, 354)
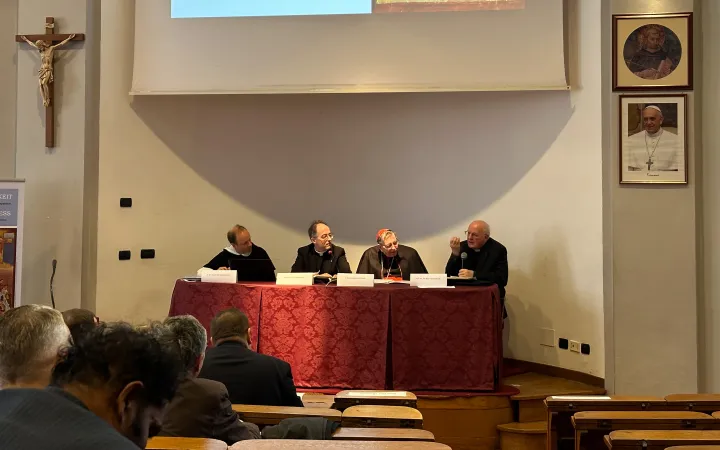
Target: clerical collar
point(319, 253)
point(232, 250)
point(656, 135)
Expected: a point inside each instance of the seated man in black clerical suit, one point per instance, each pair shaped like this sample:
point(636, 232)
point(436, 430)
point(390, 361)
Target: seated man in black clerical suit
point(251, 378)
point(321, 256)
point(480, 257)
point(389, 259)
point(241, 247)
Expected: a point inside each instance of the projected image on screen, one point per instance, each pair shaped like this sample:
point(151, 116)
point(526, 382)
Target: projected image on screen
point(182, 9)
point(444, 5)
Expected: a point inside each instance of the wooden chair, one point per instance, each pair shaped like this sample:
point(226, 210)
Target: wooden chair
point(313, 400)
point(182, 443)
point(383, 434)
point(346, 399)
point(561, 408)
point(288, 444)
point(659, 440)
point(591, 426)
point(272, 415)
point(366, 416)
point(707, 403)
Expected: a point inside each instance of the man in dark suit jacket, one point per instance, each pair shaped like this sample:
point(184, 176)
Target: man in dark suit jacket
point(109, 391)
point(251, 378)
point(321, 256)
point(485, 259)
point(389, 259)
point(200, 408)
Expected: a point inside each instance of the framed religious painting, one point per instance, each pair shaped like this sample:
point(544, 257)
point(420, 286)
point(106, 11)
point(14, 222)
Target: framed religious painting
point(653, 139)
point(652, 52)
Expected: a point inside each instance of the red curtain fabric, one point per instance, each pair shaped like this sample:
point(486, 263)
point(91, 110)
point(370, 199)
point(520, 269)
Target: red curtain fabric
point(331, 337)
point(446, 339)
point(387, 337)
point(204, 300)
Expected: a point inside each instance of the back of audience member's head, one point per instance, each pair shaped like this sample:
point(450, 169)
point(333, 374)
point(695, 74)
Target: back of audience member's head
point(31, 340)
point(189, 338)
point(80, 321)
point(123, 375)
point(230, 325)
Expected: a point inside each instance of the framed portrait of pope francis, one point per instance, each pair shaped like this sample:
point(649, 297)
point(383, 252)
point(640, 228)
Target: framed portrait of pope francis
point(653, 139)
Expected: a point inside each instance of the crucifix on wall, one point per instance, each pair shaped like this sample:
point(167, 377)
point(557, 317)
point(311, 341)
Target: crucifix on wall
point(46, 44)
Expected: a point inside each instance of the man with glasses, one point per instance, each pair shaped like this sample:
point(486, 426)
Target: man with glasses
point(480, 257)
point(321, 256)
point(389, 260)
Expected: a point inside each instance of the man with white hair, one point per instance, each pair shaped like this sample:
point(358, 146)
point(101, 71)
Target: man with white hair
point(389, 260)
point(654, 149)
point(31, 340)
point(480, 257)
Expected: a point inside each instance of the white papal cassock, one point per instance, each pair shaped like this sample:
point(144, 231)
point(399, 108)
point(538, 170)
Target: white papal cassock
point(664, 150)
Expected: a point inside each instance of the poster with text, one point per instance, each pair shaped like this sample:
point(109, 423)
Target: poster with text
point(10, 222)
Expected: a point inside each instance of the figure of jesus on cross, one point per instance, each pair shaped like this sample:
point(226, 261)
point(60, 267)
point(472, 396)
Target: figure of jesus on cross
point(46, 44)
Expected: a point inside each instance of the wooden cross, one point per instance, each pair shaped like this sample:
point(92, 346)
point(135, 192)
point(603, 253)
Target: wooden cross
point(46, 45)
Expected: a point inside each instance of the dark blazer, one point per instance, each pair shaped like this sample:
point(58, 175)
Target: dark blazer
point(333, 261)
point(251, 378)
point(408, 259)
point(54, 419)
point(490, 263)
point(202, 408)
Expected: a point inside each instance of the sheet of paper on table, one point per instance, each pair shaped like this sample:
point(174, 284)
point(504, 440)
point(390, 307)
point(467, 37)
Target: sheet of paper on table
point(580, 397)
point(377, 394)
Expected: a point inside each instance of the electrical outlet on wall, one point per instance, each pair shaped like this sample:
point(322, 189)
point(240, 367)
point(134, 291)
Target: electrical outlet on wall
point(547, 337)
point(575, 346)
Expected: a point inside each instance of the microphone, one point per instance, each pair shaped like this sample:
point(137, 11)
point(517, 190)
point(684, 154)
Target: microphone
point(463, 257)
point(52, 277)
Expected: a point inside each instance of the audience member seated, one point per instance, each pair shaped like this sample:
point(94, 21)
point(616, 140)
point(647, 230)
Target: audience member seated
point(390, 260)
point(241, 246)
point(109, 392)
point(200, 408)
point(321, 256)
point(80, 321)
point(251, 378)
point(31, 339)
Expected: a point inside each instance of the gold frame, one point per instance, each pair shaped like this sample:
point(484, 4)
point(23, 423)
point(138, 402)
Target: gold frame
point(682, 104)
point(680, 79)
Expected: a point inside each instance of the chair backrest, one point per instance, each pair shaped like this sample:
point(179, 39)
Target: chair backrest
point(368, 416)
point(383, 434)
point(313, 400)
point(287, 444)
point(272, 415)
point(643, 420)
point(660, 439)
point(346, 399)
point(708, 403)
point(182, 443)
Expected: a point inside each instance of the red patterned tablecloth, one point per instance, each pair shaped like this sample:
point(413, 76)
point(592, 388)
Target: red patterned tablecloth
point(386, 337)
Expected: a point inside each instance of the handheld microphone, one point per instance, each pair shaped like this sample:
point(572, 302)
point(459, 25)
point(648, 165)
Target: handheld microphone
point(52, 277)
point(463, 257)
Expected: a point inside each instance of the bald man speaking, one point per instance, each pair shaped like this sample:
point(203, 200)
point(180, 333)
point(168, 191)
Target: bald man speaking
point(480, 257)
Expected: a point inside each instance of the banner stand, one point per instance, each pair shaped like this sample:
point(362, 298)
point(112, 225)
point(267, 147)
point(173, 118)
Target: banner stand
point(12, 207)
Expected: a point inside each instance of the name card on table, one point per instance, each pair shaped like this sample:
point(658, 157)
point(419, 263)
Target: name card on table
point(356, 279)
point(295, 279)
point(428, 280)
point(219, 276)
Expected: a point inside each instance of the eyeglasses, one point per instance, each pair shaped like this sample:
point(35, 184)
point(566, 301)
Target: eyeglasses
point(325, 236)
point(473, 235)
point(391, 245)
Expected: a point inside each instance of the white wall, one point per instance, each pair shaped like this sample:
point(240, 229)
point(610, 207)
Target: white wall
point(55, 177)
point(710, 318)
point(8, 83)
point(423, 164)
